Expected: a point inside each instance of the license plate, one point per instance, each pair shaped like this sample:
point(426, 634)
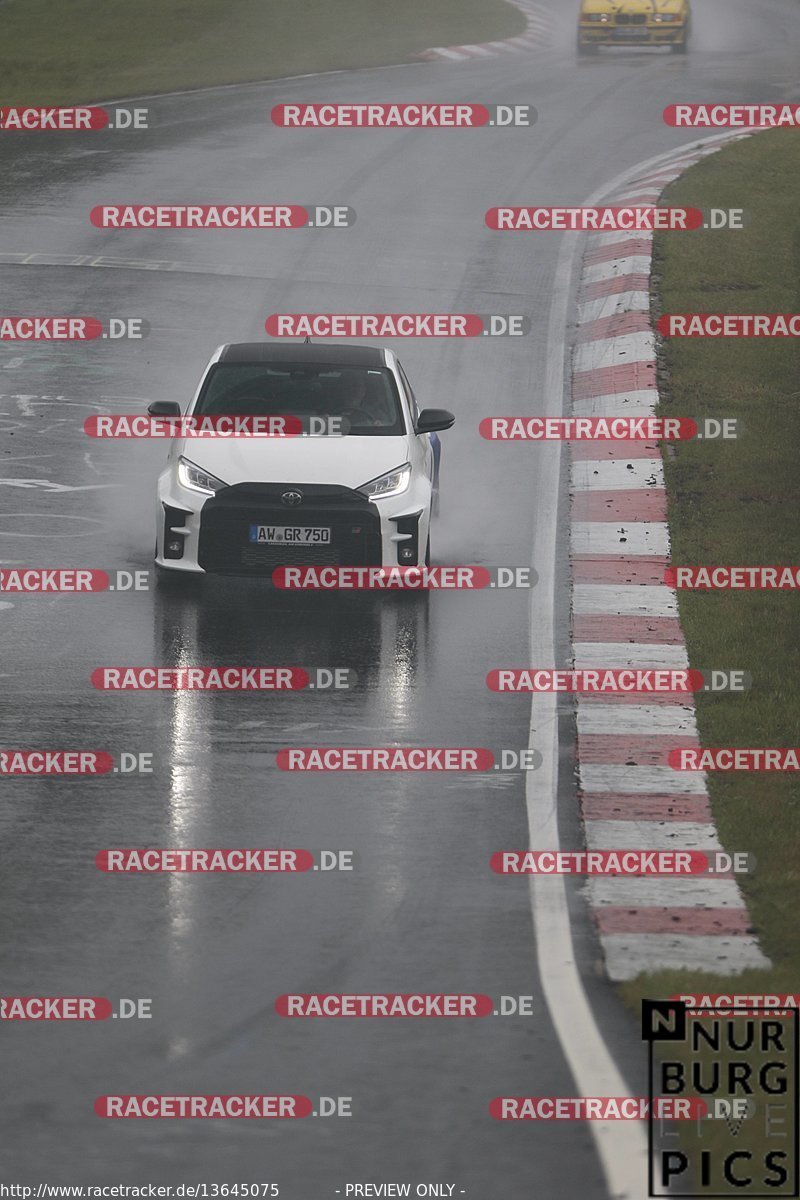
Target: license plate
point(635, 32)
point(290, 535)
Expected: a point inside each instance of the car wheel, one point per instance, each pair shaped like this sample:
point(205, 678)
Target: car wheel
point(586, 48)
point(681, 47)
point(176, 581)
point(165, 577)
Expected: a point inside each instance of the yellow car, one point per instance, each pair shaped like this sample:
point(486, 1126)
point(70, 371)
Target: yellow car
point(634, 23)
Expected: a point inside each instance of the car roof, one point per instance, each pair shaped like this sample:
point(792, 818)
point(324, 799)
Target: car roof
point(303, 352)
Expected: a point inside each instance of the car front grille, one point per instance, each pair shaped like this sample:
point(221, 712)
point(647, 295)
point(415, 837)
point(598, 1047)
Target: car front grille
point(226, 519)
point(264, 559)
point(631, 18)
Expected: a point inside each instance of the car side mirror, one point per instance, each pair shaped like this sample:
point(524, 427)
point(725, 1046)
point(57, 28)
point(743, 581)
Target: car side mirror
point(430, 420)
point(164, 408)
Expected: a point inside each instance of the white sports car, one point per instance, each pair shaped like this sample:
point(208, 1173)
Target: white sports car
point(246, 505)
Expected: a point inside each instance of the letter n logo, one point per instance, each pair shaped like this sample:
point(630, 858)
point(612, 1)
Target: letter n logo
point(663, 1021)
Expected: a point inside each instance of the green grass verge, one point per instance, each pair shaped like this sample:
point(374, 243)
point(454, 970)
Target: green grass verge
point(65, 51)
point(738, 503)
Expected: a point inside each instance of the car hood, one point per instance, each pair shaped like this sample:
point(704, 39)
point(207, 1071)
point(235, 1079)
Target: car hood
point(342, 461)
point(633, 6)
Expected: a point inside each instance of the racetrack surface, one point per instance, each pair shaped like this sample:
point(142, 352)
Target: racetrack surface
point(422, 911)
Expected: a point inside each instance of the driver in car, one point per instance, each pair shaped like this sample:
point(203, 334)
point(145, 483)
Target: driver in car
point(351, 399)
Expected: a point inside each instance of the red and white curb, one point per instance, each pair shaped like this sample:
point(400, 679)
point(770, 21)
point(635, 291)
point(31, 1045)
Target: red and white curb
point(540, 25)
point(625, 616)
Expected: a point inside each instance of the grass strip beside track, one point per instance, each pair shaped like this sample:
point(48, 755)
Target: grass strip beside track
point(54, 51)
point(737, 503)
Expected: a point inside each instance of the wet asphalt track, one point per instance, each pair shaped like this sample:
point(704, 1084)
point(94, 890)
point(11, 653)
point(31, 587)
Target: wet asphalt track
point(422, 911)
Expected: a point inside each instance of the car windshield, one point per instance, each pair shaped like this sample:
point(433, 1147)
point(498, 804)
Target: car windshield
point(365, 398)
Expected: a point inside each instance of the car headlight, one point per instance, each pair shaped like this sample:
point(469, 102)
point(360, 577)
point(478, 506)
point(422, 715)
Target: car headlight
point(666, 17)
point(196, 479)
point(391, 484)
point(596, 17)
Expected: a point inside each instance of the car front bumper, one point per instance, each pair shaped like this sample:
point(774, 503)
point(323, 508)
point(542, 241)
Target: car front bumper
point(199, 534)
point(655, 34)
